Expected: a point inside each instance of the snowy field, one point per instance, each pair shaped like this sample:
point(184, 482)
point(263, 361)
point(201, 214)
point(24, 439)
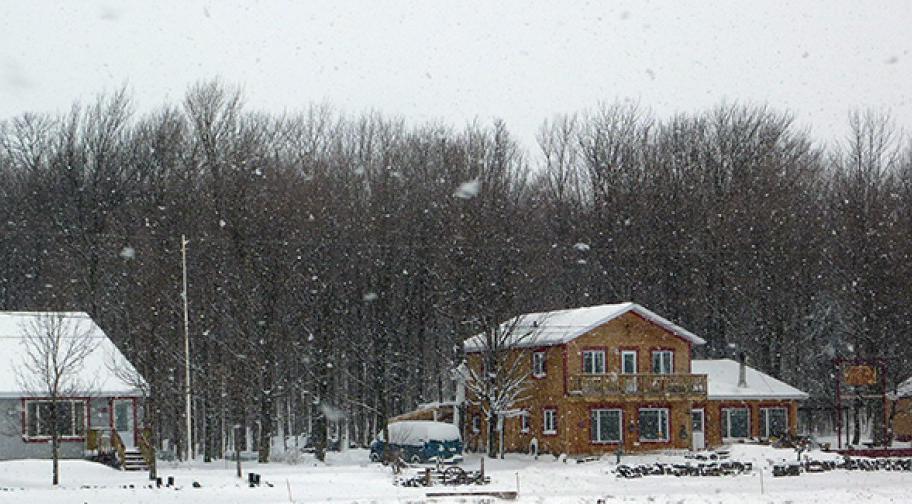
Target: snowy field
point(348, 478)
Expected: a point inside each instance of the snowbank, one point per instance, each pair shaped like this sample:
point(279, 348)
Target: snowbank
point(346, 477)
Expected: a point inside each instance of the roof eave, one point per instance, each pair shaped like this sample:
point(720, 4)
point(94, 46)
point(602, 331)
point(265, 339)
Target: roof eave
point(7, 394)
point(670, 326)
point(789, 397)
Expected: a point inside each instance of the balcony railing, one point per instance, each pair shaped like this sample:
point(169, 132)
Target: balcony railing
point(638, 385)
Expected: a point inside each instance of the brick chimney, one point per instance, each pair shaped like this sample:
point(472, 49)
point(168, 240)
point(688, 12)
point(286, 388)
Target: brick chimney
point(742, 370)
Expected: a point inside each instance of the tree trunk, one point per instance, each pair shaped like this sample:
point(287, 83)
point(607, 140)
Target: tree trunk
point(211, 446)
point(320, 437)
point(150, 421)
point(55, 455)
point(492, 431)
point(856, 421)
point(878, 425)
point(55, 444)
point(265, 427)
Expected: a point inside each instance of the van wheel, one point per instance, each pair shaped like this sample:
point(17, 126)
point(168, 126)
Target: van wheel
point(415, 459)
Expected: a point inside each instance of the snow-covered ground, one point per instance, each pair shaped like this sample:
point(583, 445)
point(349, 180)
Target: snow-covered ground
point(347, 477)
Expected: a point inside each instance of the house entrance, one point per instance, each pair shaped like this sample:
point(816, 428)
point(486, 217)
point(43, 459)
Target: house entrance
point(123, 420)
point(698, 429)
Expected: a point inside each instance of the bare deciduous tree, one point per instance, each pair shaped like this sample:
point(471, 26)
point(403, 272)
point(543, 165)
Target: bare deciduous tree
point(56, 347)
point(499, 379)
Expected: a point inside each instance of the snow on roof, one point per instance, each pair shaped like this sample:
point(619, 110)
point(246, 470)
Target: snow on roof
point(95, 376)
point(416, 432)
point(722, 378)
point(561, 326)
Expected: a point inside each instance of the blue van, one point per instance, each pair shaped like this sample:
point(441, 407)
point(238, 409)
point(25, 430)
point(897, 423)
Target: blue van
point(421, 441)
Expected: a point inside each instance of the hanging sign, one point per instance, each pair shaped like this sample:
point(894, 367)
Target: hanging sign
point(857, 376)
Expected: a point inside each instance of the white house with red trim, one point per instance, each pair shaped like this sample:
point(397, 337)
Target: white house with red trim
point(105, 397)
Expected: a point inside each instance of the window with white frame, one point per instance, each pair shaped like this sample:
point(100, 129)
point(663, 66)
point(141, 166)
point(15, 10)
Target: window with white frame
point(654, 424)
point(735, 423)
point(476, 423)
point(71, 418)
point(549, 421)
point(663, 362)
point(524, 423)
point(538, 364)
point(774, 422)
point(605, 426)
point(594, 362)
point(629, 362)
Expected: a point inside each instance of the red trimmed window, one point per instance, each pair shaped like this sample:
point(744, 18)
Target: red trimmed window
point(594, 361)
point(549, 421)
point(663, 362)
point(774, 422)
point(476, 423)
point(525, 425)
point(735, 423)
point(628, 361)
point(538, 364)
point(606, 426)
point(71, 418)
point(654, 425)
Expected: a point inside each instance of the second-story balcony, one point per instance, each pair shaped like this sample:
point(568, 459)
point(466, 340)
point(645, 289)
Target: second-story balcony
point(671, 386)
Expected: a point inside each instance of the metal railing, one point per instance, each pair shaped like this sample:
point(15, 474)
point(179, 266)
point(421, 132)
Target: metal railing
point(683, 385)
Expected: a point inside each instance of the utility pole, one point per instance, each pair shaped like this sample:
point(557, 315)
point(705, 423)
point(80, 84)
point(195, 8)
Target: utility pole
point(187, 350)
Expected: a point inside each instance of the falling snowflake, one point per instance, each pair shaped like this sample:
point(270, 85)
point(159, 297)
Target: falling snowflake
point(128, 253)
point(332, 413)
point(582, 247)
point(468, 190)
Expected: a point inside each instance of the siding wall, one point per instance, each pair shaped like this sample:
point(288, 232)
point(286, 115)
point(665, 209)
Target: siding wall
point(628, 332)
point(12, 445)
point(574, 426)
point(713, 417)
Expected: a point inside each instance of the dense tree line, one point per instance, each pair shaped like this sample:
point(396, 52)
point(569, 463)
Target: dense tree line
point(336, 262)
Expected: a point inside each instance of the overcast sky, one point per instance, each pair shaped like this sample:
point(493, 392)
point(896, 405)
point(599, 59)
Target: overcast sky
point(455, 61)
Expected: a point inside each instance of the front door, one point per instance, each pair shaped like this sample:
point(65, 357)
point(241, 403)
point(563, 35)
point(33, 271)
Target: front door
point(629, 367)
point(698, 428)
point(123, 420)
